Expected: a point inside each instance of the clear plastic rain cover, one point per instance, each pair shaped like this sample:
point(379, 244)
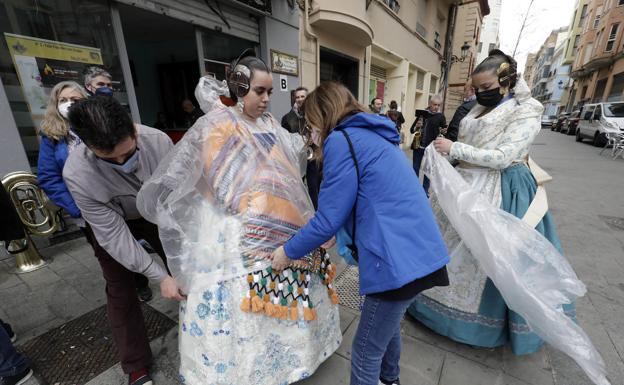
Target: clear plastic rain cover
point(533, 277)
point(228, 194)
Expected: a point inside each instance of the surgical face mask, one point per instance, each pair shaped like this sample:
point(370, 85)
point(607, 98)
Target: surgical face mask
point(489, 98)
point(63, 108)
point(129, 166)
point(104, 91)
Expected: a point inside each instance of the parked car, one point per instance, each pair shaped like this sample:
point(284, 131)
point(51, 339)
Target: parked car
point(558, 123)
point(597, 119)
point(547, 120)
point(569, 127)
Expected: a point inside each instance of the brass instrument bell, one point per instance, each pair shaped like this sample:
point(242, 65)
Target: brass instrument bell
point(37, 214)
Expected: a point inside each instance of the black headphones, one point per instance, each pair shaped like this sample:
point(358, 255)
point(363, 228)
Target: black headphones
point(507, 72)
point(239, 75)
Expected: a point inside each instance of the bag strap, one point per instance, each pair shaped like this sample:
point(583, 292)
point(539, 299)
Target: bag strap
point(353, 246)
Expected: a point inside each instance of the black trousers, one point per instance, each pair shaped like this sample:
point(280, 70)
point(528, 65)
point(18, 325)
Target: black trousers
point(122, 303)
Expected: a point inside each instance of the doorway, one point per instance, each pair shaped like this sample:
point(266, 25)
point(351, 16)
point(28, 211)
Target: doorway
point(164, 63)
point(341, 68)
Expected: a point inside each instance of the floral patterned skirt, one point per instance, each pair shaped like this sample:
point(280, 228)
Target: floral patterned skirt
point(220, 344)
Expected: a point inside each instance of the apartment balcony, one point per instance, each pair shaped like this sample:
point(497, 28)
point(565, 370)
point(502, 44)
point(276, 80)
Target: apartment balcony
point(596, 63)
point(345, 18)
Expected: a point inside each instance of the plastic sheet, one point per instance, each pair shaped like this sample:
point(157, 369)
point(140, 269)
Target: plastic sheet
point(532, 276)
point(228, 194)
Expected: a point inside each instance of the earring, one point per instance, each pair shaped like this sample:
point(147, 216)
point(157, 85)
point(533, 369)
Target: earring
point(241, 105)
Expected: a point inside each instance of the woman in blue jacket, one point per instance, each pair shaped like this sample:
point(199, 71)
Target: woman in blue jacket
point(57, 142)
point(370, 188)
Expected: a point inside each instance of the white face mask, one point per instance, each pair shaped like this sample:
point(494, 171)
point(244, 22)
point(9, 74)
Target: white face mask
point(63, 108)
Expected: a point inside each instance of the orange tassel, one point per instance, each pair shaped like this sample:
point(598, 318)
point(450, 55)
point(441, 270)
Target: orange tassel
point(283, 313)
point(307, 314)
point(246, 305)
point(334, 299)
point(294, 312)
point(269, 309)
point(256, 304)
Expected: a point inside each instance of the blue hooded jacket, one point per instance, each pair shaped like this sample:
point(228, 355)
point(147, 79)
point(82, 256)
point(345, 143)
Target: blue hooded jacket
point(397, 236)
point(52, 157)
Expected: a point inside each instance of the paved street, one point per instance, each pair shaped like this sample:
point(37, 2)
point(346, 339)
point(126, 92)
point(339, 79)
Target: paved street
point(586, 202)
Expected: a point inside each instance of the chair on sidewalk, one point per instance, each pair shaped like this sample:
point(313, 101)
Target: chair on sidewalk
point(612, 140)
point(618, 147)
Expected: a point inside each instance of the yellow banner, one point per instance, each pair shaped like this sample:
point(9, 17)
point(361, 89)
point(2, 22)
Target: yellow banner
point(49, 49)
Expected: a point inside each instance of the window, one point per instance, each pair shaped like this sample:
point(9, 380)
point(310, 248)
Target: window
point(612, 36)
point(617, 88)
point(480, 47)
point(577, 39)
point(620, 2)
point(491, 47)
point(421, 30)
point(599, 91)
point(46, 20)
point(433, 85)
point(584, 15)
point(393, 4)
point(436, 41)
point(597, 18)
point(587, 53)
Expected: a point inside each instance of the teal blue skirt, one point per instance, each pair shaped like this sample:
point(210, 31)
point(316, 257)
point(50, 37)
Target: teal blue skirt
point(495, 324)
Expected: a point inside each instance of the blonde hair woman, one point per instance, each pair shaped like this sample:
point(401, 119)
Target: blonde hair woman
point(57, 141)
point(370, 188)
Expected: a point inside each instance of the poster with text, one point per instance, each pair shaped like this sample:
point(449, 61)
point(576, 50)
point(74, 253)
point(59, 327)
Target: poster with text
point(42, 63)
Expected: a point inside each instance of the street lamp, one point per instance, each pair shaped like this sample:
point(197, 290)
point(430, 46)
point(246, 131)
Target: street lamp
point(464, 53)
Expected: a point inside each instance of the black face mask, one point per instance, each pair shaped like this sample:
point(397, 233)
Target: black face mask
point(489, 98)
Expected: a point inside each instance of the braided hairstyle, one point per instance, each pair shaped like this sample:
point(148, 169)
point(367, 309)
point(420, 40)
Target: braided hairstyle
point(503, 65)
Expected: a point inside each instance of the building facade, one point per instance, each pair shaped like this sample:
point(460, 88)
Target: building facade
point(554, 102)
point(388, 49)
point(156, 50)
point(575, 31)
point(528, 69)
point(467, 32)
point(598, 70)
point(490, 38)
point(544, 67)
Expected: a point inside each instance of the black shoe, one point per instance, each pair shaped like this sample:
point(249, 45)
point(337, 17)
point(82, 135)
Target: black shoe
point(17, 379)
point(142, 378)
point(384, 382)
point(9, 331)
point(144, 293)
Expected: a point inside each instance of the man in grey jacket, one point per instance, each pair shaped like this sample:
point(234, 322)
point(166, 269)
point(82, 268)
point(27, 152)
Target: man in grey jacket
point(104, 175)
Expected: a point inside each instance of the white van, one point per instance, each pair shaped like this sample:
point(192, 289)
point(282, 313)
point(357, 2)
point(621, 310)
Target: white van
point(599, 118)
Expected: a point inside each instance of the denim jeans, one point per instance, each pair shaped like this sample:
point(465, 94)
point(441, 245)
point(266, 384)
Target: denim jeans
point(11, 362)
point(377, 344)
point(417, 157)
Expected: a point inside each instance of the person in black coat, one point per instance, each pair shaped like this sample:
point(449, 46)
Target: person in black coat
point(294, 120)
point(430, 128)
point(11, 227)
point(470, 100)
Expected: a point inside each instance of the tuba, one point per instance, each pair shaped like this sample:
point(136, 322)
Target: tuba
point(36, 212)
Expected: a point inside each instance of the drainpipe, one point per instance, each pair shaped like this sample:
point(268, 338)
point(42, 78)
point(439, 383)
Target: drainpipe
point(448, 50)
point(308, 32)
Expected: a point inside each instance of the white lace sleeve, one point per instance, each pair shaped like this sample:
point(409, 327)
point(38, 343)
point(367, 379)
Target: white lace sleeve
point(514, 145)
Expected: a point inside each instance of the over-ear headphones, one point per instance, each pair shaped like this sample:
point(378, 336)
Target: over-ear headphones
point(507, 72)
point(239, 75)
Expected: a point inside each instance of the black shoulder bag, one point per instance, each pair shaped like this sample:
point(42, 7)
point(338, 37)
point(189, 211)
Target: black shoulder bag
point(353, 246)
